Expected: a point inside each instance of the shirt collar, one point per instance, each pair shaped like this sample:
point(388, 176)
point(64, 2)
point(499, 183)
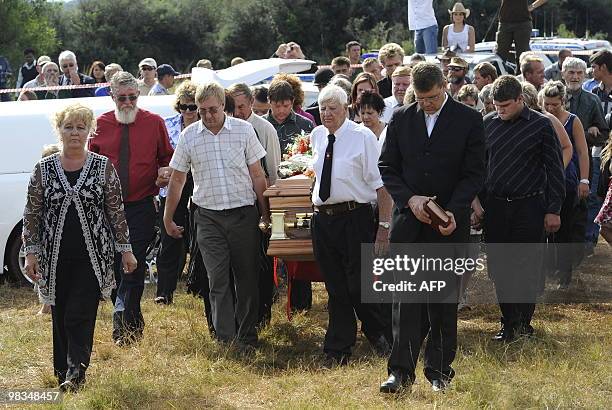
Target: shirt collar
point(340, 130)
point(435, 114)
point(226, 124)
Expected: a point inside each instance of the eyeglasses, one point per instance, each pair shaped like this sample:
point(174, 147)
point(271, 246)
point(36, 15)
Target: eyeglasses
point(456, 68)
point(188, 107)
point(422, 100)
point(211, 110)
point(146, 68)
point(124, 98)
point(67, 65)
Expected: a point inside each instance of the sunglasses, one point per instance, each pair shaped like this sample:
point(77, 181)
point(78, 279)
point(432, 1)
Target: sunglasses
point(455, 68)
point(67, 65)
point(146, 68)
point(188, 107)
point(124, 98)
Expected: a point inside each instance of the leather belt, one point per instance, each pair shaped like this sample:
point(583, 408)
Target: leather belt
point(339, 208)
point(517, 198)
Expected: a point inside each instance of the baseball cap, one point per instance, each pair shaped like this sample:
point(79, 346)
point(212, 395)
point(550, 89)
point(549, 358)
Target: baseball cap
point(148, 62)
point(166, 69)
point(323, 76)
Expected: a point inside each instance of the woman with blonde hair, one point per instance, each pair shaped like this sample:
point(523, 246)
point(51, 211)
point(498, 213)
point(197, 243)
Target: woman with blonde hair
point(73, 223)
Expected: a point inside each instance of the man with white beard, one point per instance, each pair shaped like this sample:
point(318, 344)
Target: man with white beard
point(136, 141)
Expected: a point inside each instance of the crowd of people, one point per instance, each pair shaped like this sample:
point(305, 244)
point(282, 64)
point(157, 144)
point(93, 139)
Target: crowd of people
point(518, 160)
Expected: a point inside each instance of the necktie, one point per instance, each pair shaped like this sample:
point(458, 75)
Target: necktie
point(325, 187)
point(124, 161)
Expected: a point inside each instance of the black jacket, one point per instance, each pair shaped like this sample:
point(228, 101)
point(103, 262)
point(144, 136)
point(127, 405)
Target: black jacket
point(449, 165)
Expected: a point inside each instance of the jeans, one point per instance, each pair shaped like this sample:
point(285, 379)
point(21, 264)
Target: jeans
point(426, 40)
point(595, 203)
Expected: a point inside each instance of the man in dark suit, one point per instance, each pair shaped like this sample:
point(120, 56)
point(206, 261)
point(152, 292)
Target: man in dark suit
point(433, 148)
point(71, 76)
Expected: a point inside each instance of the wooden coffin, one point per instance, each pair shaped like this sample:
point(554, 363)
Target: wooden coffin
point(291, 197)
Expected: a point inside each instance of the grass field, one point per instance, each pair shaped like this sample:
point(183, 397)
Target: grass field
point(177, 365)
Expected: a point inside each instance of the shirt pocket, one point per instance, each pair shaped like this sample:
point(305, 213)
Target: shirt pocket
point(345, 170)
point(234, 156)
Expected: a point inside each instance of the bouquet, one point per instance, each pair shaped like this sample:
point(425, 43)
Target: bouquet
point(298, 157)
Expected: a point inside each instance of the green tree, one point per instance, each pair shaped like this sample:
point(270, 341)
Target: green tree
point(25, 24)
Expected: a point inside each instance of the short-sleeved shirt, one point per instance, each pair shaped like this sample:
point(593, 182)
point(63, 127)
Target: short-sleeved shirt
point(421, 14)
point(158, 89)
point(219, 163)
point(355, 175)
point(293, 125)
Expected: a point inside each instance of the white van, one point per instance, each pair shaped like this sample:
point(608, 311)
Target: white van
point(25, 127)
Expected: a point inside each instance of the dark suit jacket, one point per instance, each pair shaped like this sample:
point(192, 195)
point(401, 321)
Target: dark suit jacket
point(80, 92)
point(449, 164)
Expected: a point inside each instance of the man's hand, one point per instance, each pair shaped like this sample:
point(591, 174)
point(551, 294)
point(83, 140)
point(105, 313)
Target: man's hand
point(451, 226)
point(173, 229)
point(128, 261)
point(74, 75)
point(31, 267)
point(583, 191)
point(417, 205)
point(163, 176)
point(552, 223)
point(477, 214)
point(381, 245)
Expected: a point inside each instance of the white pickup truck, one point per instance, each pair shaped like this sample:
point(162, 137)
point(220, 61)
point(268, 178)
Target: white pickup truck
point(25, 127)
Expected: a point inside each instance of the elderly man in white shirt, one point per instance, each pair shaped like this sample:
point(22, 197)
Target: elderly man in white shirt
point(347, 183)
point(400, 80)
point(224, 156)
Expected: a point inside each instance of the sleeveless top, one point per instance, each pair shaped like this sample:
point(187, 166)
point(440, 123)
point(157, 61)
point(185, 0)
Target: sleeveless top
point(572, 170)
point(458, 40)
point(96, 197)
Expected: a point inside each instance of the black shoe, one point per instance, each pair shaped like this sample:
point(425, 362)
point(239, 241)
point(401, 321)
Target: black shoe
point(163, 300)
point(396, 383)
point(332, 361)
point(589, 249)
point(505, 334)
point(381, 346)
point(563, 286)
point(439, 385)
point(69, 386)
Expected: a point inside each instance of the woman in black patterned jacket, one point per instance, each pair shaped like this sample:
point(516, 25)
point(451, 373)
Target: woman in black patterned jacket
point(73, 224)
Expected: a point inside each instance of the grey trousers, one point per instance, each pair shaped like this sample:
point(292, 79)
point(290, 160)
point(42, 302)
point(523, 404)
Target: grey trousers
point(520, 33)
point(229, 241)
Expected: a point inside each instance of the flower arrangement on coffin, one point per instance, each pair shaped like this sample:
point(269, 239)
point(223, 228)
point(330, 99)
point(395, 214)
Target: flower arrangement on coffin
point(298, 157)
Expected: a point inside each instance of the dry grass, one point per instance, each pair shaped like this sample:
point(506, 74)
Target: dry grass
point(177, 365)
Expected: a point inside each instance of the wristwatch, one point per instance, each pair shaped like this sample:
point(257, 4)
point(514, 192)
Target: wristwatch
point(385, 225)
point(585, 181)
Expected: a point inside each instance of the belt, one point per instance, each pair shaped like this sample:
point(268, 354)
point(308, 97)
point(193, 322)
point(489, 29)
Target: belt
point(340, 208)
point(518, 197)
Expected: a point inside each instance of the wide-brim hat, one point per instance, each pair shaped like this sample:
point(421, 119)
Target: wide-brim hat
point(447, 55)
point(458, 8)
point(458, 62)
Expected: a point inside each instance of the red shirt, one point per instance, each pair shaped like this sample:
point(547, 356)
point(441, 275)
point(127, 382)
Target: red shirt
point(150, 149)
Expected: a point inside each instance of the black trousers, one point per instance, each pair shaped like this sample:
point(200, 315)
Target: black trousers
point(517, 277)
point(564, 253)
point(337, 248)
point(173, 252)
point(128, 321)
point(77, 294)
point(436, 321)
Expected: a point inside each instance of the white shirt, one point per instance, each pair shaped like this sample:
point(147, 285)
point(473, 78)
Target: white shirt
point(460, 39)
point(355, 175)
point(430, 119)
point(390, 105)
point(219, 163)
point(421, 14)
point(269, 140)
